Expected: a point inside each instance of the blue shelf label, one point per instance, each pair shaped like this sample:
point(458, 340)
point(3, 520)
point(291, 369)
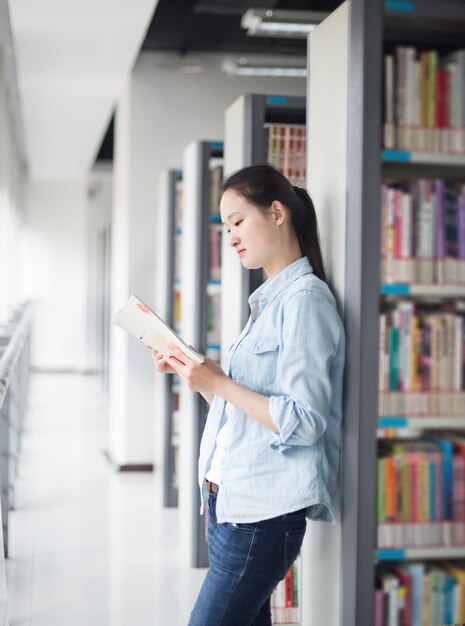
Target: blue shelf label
point(276, 100)
point(392, 422)
point(401, 6)
point(214, 282)
point(396, 156)
point(212, 346)
point(217, 145)
point(215, 219)
point(395, 290)
point(390, 555)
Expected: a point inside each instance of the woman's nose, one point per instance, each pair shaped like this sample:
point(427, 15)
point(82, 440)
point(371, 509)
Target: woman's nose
point(234, 240)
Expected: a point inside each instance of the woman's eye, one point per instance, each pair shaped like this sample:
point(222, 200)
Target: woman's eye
point(237, 223)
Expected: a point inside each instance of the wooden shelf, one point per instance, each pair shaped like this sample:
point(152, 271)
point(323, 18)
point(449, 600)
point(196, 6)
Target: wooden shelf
point(412, 554)
point(423, 158)
point(446, 10)
point(431, 422)
point(431, 290)
point(214, 288)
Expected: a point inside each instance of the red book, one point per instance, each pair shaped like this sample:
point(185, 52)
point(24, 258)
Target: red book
point(291, 155)
point(289, 592)
point(406, 583)
point(442, 99)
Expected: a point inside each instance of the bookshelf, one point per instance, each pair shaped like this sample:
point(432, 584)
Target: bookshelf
point(374, 29)
point(262, 129)
point(249, 120)
point(201, 287)
point(167, 387)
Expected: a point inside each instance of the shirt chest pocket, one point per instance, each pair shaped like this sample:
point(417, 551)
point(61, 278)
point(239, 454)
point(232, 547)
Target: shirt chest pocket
point(258, 362)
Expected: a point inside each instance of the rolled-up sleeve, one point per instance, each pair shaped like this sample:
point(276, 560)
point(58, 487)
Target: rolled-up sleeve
point(312, 334)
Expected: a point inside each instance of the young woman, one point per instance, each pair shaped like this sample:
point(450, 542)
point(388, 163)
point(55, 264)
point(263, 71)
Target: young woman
point(270, 449)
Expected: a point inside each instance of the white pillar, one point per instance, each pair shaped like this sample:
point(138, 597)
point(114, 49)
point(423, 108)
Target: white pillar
point(131, 398)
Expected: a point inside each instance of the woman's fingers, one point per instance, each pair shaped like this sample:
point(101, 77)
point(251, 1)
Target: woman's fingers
point(161, 364)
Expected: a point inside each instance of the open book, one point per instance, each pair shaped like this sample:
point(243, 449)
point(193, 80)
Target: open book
point(141, 322)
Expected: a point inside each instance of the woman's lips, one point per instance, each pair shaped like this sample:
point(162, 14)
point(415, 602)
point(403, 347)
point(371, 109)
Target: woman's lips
point(239, 252)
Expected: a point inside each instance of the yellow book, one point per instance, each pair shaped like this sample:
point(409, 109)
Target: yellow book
point(427, 600)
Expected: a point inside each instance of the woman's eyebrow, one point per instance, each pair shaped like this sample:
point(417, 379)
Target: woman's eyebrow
point(230, 216)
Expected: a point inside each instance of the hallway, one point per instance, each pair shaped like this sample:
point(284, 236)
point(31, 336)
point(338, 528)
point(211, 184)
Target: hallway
point(88, 546)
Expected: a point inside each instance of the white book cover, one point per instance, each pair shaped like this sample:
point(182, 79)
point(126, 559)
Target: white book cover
point(406, 235)
point(137, 319)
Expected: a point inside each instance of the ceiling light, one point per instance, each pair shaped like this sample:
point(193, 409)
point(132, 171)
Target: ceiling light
point(244, 67)
point(270, 23)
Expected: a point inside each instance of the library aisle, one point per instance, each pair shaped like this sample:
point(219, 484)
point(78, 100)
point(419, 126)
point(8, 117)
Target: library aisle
point(88, 546)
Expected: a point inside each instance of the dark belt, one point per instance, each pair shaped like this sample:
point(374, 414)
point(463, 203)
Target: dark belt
point(211, 487)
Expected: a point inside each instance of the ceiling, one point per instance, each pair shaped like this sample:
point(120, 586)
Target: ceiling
point(187, 27)
point(72, 58)
point(214, 25)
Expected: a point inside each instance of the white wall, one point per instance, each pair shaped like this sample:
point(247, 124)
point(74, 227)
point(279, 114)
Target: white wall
point(53, 271)
point(99, 207)
point(171, 109)
point(160, 111)
point(12, 176)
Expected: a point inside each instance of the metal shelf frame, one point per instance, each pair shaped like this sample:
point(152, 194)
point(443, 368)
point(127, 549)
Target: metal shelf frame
point(170, 493)
point(372, 24)
point(194, 269)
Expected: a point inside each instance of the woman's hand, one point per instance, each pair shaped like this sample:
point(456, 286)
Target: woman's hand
point(202, 377)
point(161, 364)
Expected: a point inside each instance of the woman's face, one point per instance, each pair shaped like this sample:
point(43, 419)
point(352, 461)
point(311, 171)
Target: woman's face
point(253, 234)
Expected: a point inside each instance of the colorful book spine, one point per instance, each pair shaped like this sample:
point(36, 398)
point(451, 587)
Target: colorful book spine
point(420, 498)
point(424, 95)
point(423, 232)
point(287, 151)
point(285, 598)
point(420, 595)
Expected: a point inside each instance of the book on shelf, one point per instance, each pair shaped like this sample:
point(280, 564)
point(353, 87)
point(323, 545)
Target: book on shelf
point(418, 594)
point(421, 360)
point(285, 598)
point(137, 319)
point(215, 233)
point(424, 95)
point(178, 204)
point(216, 187)
point(287, 149)
point(420, 492)
point(423, 232)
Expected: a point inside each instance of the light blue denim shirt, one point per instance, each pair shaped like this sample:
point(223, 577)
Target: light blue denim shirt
point(293, 353)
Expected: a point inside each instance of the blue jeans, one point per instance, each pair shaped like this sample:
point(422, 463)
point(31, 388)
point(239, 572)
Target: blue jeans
point(247, 561)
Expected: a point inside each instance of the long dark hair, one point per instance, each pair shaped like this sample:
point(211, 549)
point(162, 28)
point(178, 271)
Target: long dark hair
point(261, 185)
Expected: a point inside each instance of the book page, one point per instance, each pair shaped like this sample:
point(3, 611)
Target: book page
point(137, 319)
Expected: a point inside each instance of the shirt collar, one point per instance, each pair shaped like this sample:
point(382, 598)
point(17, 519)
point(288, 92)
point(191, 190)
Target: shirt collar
point(270, 288)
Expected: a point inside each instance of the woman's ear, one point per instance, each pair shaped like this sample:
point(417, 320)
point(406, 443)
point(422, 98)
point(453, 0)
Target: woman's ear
point(279, 212)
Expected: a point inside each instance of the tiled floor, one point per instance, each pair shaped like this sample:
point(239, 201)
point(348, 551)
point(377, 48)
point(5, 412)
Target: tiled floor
point(88, 546)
